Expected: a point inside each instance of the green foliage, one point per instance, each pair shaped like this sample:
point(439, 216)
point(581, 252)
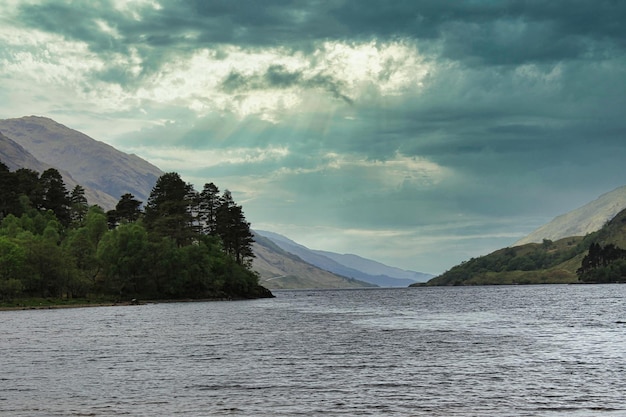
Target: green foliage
point(78, 205)
point(603, 264)
point(597, 258)
point(53, 245)
point(232, 228)
point(128, 209)
point(169, 208)
point(55, 196)
point(12, 266)
point(528, 264)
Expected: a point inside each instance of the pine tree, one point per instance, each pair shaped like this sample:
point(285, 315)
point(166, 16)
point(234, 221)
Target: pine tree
point(209, 202)
point(234, 230)
point(169, 209)
point(55, 196)
point(78, 205)
point(128, 208)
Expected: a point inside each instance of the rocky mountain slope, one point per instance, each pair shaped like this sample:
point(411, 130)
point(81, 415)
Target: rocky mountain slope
point(583, 220)
point(91, 163)
point(351, 266)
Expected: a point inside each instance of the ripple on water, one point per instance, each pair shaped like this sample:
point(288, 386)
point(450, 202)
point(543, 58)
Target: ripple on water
point(488, 351)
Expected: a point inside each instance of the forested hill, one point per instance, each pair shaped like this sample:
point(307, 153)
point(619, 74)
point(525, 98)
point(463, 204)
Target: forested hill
point(596, 257)
point(182, 244)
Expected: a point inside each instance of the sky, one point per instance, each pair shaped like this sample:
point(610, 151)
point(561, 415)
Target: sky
point(417, 133)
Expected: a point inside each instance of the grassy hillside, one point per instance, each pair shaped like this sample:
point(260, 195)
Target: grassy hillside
point(535, 263)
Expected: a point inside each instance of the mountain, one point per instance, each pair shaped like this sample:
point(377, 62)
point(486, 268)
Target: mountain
point(14, 156)
point(39, 143)
point(579, 222)
point(348, 265)
point(375, 268)
point(279, 269)
point(549, 262)
point(93, 164)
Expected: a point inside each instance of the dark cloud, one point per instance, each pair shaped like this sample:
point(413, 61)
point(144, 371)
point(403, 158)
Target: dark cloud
point(279, 77)
point(520, 110)
point(477, 33)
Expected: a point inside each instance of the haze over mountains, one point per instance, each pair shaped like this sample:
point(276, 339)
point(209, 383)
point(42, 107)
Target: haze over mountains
point(278, 269)
point(349, 265)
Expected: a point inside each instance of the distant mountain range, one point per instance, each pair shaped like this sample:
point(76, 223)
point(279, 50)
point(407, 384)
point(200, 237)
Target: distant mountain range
point(348, 265)
point(279, 269)
point(39, 143)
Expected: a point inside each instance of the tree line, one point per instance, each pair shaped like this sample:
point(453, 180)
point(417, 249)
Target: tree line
point(603, 264)
point(180, 244)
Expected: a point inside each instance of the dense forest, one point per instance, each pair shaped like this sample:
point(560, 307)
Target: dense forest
point(180, 244)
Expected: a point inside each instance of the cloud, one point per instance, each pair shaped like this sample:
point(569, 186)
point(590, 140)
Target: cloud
point(442, 128)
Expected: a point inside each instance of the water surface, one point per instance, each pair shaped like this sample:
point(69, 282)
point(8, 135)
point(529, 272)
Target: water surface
point(458, 351)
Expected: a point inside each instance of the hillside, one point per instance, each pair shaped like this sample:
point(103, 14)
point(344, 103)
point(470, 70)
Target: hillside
point(351, 266)
point(90, 163)
point(535, 263)
point(14, 156)
point(279, 269)
point(583, 220)
point(40, 143)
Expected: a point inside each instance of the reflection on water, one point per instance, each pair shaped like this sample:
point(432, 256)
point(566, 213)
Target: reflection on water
point(480, 351)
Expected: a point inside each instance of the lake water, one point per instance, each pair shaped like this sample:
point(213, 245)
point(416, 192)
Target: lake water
point(458, 351)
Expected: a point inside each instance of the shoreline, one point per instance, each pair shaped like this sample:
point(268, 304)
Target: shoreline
point(59, 306)
point(133, 302)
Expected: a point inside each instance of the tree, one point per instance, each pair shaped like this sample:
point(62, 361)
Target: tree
point(169, 209)
point(128, 208)
point(30, 186)
point(125, 259)
point(234, 230)
point(12, 268)
point(8, 192)
point(50, 269)
point(209, 202)
point(82, 244)
point(55, 196)
point(78, 205)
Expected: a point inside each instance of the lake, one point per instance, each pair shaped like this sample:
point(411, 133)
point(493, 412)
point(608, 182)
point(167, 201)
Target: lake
point(554, 350)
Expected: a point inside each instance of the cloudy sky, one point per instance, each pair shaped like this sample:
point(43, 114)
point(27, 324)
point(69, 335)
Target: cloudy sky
point(418, 133)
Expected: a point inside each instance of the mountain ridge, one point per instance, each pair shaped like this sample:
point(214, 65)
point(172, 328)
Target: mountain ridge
point(95, 165)
point(91, 163)
point(279, 269)
point(581, 221)
point(333, 263)
point(15, 156)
